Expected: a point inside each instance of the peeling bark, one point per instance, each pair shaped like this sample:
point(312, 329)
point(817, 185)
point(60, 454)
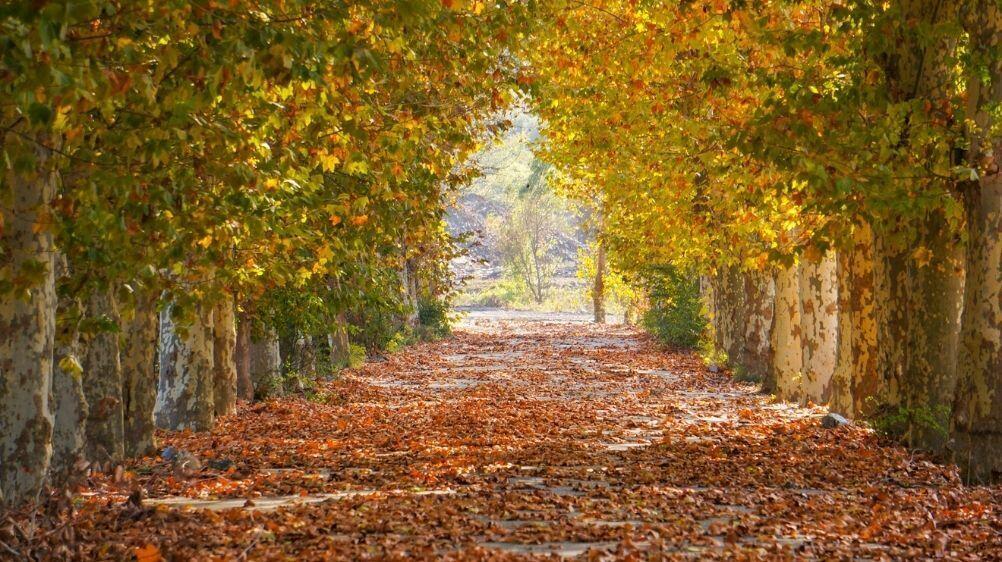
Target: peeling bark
point(759, 299)
point(977, 416)
point(728, 313)
point(69, 406)
point(102, 376)
point(787, 360)
point(139, 374)
point(266, 364)
point(27, 333)
point(917, 258)
point(819, 324)
point(224, 392)
point(184, 393)
point(857, 388)
point(918, 326)
point(242, 359)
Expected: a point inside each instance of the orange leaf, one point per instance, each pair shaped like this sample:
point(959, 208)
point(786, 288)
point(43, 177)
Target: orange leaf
point(148, 553)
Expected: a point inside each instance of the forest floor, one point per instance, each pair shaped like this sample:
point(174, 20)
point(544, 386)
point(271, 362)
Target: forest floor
point(519, 437)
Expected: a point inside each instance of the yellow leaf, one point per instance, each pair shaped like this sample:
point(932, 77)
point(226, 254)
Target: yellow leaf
point(71, 365)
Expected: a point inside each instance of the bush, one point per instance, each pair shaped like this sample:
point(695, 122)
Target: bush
point(433, 319)
point(675, 314)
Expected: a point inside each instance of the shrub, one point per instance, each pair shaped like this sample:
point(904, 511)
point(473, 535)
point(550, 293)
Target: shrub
point(675, 314)
point(433, 319)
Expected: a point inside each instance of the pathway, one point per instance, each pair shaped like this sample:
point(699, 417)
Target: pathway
point(539, 435)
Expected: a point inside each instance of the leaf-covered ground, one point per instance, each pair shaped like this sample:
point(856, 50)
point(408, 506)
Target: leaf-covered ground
point(520, 438)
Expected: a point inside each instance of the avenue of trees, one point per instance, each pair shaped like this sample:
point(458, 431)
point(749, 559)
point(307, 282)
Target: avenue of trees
point(199, 196)
point(194, 193)
point(829, 169)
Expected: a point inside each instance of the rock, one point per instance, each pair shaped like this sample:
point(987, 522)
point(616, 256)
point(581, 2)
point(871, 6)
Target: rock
point(831, 421)
point(169, 453)
point(714, 368)
point(220, 464)
point(186, 464)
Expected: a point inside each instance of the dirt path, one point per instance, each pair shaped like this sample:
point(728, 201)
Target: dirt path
point(526, 436)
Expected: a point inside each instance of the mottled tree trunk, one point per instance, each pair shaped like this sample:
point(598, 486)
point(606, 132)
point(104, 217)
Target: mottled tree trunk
point(139, 375)
point(918, 287)
point(306, 356)
point(728, 315)
point(857, 388)
point(759, 300)
point(242, 353)
point(818, 325)
point(598, 285)
point(27, 332)
point(977, 416)
point(184, 394)
point(69, 406)
point(918, 319)
point(266, 364)
point(787, 351)
point(102, 376)
point(409, 292)
point(224, 342)
point(339, 343)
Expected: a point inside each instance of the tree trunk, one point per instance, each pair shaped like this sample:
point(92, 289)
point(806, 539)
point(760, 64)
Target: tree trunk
point(266, 365)
point(139, 374)
point(69, 406)
point(977, 416)
point(918, 286)
point(339, 343)
point(918, 325)
point(598, 287)
point(102, 376)
point(408, 287)
point(184, 394)
point(787, 351)
point(728, 291)
point(759, 299)
point(224, 342)
point(857, 388)
point(818, 325)
point(242, 352)
point(27, 333)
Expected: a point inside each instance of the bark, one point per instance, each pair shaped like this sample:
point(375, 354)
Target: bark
point(918, 286)
point(27, 333)
point(759, 299)
point(918, 327)
point(977, 416)
point(787, 358)
point(818, 325)
point(69, 406)
point(266, 364)
point(102, 378)
point(184, 393)
point(598, 287)
point(224, 342)
point(242, 352)
point(339, 344)
point(306, 356)
point(409, 293)
point(857, 388)
point(728, 313)
point(139, 374)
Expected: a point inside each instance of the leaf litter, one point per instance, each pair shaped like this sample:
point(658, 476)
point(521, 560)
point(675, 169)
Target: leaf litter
point(520, 439)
